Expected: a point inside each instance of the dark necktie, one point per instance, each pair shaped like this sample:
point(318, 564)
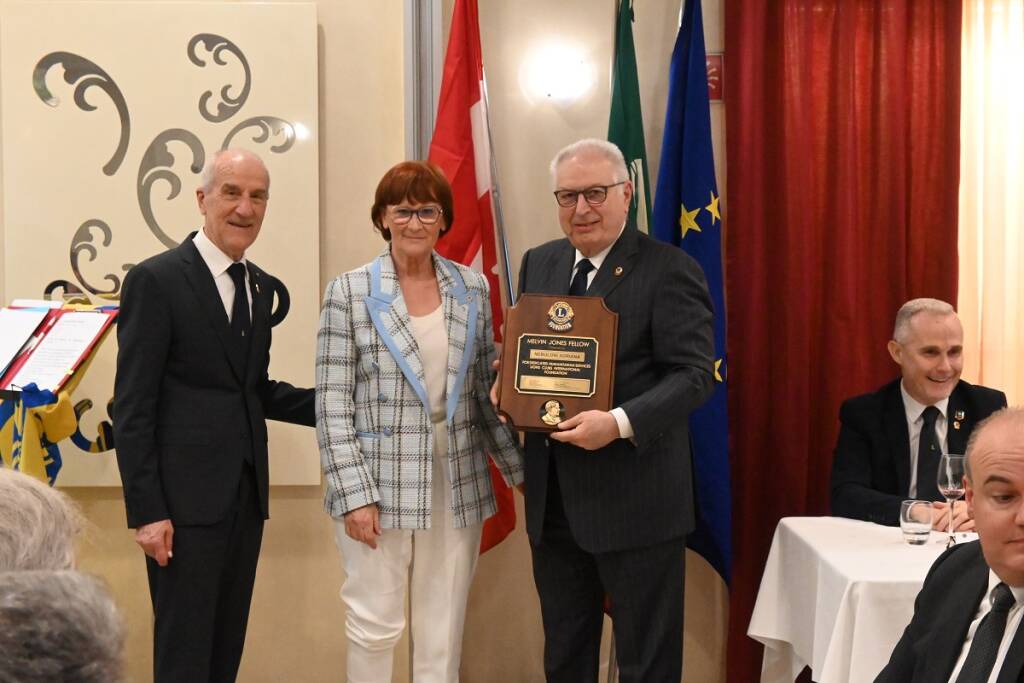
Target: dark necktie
point(985, 644)
point(928, 454)
point(240, 322)
point(578, 287)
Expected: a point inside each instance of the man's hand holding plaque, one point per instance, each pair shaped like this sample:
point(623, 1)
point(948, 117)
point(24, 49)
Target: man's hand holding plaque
point(558, 361)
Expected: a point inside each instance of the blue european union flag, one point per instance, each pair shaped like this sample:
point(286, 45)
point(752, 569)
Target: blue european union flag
point(686, 213)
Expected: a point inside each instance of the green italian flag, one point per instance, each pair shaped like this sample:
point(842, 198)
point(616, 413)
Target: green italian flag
point(626, 123)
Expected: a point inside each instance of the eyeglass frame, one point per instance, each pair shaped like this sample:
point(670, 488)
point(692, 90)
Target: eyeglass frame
point(415, 212)
point(578, 193)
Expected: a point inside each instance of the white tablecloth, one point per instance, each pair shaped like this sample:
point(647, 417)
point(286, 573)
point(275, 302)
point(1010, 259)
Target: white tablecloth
point(836, 595)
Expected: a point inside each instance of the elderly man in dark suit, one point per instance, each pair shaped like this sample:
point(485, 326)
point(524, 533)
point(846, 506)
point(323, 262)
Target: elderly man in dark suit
point(890, 441)
point(966, 625)
point(192, 397)
point(609, 497)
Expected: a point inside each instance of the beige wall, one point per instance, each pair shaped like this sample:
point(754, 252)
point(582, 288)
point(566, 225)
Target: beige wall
point(296, 623)
point(296, 626)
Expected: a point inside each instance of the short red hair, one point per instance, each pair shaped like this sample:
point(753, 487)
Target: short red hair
point(416, 181)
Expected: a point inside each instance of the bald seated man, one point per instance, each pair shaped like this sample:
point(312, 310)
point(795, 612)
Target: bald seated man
point(966, 625)
point(890, 441)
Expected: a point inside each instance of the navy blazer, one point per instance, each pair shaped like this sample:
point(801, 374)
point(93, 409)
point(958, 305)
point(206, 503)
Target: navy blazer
point(871, 467)
point(188, 409)
point(639, 492)
point(943, 611)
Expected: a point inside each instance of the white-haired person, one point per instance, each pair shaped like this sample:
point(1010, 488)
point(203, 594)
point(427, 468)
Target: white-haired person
point(58, 627)
point(609, 496)
point(38, 524)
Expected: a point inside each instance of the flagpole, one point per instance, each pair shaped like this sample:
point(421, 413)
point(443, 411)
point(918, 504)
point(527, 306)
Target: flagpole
point(499, 218)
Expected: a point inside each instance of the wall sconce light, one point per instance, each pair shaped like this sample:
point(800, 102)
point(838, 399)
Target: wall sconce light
point(557, 72)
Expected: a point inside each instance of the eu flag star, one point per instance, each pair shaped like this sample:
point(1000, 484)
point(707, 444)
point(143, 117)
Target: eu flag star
point(688, 221)
point(718, 368)
point(712, 208)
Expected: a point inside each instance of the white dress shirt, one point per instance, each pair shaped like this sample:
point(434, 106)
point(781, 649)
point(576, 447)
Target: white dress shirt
point(1012, 622)
point(625, 427)
point(218, 262)
point(915, 421)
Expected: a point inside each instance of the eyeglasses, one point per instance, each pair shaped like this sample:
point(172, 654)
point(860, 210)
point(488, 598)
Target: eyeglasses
point(428, 215)
point(594, 196)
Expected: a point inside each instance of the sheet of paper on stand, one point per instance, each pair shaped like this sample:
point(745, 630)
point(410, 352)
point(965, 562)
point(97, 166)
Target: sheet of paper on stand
point(16, 329)
point(60, 350)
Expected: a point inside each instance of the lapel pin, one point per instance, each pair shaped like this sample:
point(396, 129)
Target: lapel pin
point(618, 271)
point(958, 415)
point(956, 424)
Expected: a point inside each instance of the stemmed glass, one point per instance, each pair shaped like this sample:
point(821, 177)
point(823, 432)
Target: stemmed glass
point(950, 480)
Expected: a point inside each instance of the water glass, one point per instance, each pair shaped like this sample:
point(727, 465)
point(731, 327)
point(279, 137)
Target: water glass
point(916, 521)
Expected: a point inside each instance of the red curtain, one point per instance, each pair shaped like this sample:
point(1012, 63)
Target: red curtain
point(843, 165)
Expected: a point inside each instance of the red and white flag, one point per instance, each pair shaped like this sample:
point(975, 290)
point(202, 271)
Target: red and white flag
point(461, 148)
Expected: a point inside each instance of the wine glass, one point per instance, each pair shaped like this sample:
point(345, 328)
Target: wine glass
point(950, 480)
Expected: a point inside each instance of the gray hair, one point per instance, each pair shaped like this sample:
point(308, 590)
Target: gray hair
point(591, 146)
point(58, 626)
point(1013, 415)
point(209, 173)
point(38, 524)
point(901, 330)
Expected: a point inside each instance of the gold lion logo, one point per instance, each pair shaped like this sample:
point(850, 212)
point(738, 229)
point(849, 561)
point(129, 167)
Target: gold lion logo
point(560, 316)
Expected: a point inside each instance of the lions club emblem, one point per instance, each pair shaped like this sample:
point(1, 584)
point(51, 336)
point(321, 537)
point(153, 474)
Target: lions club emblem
point(560, 316)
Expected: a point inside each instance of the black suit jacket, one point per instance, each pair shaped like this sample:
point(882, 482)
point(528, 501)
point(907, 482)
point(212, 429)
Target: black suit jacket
point(943, 611)
point(188, 408)
point(631, 494)
point(871, 467)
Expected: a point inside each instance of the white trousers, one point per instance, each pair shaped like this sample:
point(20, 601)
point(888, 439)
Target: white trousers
point(436, 563)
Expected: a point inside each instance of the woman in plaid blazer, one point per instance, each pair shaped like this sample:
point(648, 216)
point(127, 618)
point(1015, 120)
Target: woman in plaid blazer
point(405, 425)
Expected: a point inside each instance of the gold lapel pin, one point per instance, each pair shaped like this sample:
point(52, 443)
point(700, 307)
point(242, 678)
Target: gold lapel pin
point(618, 271)
point(956, 424)
point(958, 415)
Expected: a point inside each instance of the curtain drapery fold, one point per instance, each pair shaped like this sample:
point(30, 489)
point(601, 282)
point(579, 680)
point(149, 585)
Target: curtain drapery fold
point(843, 121)
point(991, 234)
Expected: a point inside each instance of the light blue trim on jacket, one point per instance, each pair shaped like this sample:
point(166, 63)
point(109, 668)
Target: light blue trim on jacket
point(464, 298)
point(376, 304)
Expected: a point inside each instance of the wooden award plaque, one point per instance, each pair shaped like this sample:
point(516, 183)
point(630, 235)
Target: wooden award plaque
point(557, 360)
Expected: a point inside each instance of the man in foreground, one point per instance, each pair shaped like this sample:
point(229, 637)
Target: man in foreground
point(966, 625)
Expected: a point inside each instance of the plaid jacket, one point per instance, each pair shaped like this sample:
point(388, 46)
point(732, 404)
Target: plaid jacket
point(372, 415)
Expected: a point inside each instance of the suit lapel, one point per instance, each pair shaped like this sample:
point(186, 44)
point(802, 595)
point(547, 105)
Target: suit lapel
point(205, 289)
point(460, 313)
point(556, 273)
point(617, 265)
point(940, 649)
point(390, 317)
point(895, 417)
point(957, 428)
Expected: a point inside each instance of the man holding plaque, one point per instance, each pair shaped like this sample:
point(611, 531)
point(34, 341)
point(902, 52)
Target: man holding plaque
point(609, 497)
